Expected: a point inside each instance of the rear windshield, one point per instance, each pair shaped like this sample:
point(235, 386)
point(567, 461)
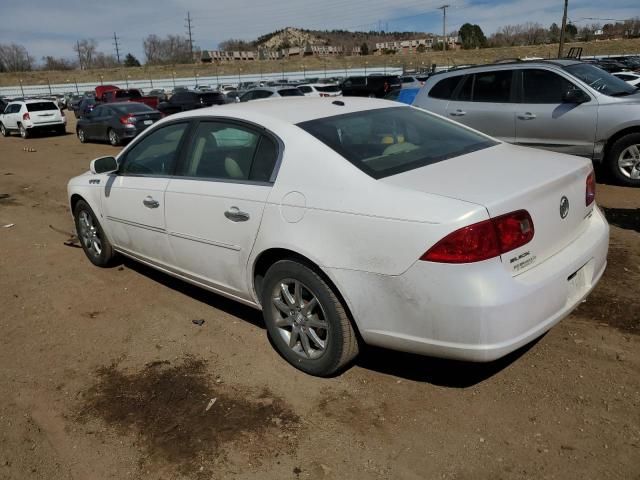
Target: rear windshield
point(132, 108)
point(290, 92)
point(329, 88)
point(389, 141)
point(128, 94)
point(41, 106)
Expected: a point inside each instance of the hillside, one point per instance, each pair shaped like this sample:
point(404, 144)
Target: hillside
point(189, 72)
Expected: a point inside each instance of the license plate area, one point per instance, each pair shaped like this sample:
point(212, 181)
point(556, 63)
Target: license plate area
point(578, 282)
point(148, 122)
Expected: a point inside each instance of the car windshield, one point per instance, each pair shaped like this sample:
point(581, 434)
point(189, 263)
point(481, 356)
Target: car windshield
point(41, 106)
point(388, 141)
point(600, 80)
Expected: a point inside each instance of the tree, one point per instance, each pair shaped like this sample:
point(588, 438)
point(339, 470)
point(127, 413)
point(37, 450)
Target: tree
point(472, 36)
point(53, 63)
point(421, 48)
point(171, 49)
point(364, 49)
point(571, 30)
point(131, 61)
point(86, 50)
point(14, 58)
point(554, 33)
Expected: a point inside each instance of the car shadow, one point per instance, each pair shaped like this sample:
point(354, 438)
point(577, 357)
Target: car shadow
point(436, 371)
point(211, 299)
point(409, 366)
point(627, 218)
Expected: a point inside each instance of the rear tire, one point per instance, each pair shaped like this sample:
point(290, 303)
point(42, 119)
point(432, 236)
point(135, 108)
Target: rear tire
point(113, 137)
point(623, 160)
point(81, 135)
point(94, 242)
point(24, 133)
point(305, 319)
point(5, 132)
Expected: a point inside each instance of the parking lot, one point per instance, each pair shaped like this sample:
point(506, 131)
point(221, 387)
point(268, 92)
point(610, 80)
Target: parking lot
point(105, 374)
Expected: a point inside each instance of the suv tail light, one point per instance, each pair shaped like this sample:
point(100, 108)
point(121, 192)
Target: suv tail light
point(26, 116)
point(128, 119)
point(591, 189)
point(483, 240)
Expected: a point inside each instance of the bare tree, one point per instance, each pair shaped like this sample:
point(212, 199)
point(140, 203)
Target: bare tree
point(54, 63)
point(171, 49)
point(14, 58)
point(86, 50)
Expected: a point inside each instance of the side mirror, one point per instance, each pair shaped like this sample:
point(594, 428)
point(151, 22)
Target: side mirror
point(576, 96)
point(103, 165)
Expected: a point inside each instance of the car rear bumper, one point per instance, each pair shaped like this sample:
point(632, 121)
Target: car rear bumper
point(476, 312)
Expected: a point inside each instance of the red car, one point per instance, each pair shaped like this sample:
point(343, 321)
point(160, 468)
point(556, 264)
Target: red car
point(111, 93)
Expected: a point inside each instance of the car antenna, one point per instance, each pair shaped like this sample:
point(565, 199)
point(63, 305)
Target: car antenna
point(340, 103)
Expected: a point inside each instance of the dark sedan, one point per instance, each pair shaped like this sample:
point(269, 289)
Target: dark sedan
point(183, 101)
point(116, 122)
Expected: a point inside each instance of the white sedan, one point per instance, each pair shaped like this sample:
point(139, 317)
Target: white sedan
point(353, 221)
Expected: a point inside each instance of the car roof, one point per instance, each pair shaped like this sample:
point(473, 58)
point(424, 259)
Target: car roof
point(292, 110)
point(560, 62)
point(27, 101)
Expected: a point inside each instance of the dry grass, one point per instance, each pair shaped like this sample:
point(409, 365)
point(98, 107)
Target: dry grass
point(605, 47)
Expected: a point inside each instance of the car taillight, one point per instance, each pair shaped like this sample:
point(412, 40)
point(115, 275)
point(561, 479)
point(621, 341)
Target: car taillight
point(26, 116)
point(128, 119)
point(591, 189)
point(483, 240)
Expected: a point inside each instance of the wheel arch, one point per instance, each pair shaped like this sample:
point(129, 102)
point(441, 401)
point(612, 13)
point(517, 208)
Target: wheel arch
point(617, 136)
point(265, 259)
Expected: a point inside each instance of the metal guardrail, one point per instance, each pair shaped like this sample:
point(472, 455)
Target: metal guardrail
point(190, 82)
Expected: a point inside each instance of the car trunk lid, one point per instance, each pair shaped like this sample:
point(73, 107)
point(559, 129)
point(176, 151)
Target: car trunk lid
point(506, 178)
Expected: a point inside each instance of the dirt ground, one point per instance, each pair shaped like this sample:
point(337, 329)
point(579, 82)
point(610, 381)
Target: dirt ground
point(103, 374)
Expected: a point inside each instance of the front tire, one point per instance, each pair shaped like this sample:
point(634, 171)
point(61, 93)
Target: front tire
point(623, 160)
point(94, 242)
point(305, 319)
point(114, 139)
point(5, 132)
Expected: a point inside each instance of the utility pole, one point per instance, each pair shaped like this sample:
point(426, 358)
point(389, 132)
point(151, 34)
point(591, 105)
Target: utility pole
point(444, 26)
point(79, 55)
point(115, 43)
point(188, 25)
point(564, 26)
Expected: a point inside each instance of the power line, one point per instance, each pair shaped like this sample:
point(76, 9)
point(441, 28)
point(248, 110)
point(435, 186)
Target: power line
point(188, 25)
point(115, 43)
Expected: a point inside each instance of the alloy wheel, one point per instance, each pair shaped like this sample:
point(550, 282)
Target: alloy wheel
point(629, 162)
point(300, 318)
point(89, 234)
point(81, 136)
point(113, 138)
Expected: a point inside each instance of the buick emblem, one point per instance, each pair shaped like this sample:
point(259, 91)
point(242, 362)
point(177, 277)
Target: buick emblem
point(564, 207)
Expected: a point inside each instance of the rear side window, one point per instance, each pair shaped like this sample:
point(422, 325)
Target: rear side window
point(494, 87)
point(444, 88)
point(264, 160)
point(41, 106)
point(393, 140)
point(329, 89)
point(543, 86)
point(305, 89)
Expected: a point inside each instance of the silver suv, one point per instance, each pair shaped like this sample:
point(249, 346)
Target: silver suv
point(562, 105)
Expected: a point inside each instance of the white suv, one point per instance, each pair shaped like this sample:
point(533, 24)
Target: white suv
point(29, 115)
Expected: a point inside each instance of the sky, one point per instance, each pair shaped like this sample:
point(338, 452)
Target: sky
point(51, 27)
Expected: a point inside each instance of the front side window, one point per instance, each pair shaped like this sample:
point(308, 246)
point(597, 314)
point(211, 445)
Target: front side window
point(290, 92)
point(261, 94)
point(388, 141)
point(228, 151)
point(543, 86)
point(156, 153)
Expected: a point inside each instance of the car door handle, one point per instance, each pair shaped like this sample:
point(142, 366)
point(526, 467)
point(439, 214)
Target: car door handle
point(236, 215)
point(526, 116)
point(458, 113)
point(149, 202)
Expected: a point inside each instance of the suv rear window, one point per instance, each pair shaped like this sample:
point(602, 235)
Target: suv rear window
point(388, 141)
point(41, 106)
point(444, 88)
